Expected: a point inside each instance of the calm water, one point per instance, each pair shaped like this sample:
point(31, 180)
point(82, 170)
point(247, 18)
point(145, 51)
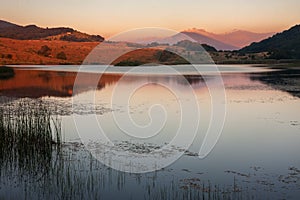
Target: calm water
point(256, 156)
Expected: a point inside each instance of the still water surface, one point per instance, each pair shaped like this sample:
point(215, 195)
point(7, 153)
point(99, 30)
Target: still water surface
point(256, 156)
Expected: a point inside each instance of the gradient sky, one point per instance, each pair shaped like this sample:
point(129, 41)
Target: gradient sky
point(108, 17)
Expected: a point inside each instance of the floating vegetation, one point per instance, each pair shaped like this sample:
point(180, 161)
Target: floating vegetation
point(139, 148)
point(36, 164)
point(75, 174)
point(72, 173)
point(292, 177)
point(65, 107)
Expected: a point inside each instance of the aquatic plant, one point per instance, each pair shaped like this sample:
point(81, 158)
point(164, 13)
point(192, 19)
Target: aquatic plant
point(28, 134)
point(38, 165)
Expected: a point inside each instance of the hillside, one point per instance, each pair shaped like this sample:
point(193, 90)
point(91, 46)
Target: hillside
point(32, 32)
point(285, 45)
point(49, 52)
point(242, 38)
point(151, 55)
point(64, 46)
point(195, 46)
point(55, 52)
point(43, 51)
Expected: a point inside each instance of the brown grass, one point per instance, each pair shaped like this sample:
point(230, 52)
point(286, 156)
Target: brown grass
point(25, 51)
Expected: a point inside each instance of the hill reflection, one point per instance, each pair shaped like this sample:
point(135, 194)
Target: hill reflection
point(40, 83)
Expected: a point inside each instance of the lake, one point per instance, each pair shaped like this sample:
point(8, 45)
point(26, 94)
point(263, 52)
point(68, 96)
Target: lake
point(140, 111)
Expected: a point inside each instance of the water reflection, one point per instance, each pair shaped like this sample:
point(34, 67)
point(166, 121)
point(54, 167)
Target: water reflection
point(33, 166)
point(39, 83)
point(257, 156)
point(46, 83)
point(287, 80)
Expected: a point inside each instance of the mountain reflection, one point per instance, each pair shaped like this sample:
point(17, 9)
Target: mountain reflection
point(40, 83)
point(286, 80)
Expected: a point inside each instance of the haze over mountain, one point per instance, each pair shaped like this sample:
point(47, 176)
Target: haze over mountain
point(227, 41)
point(285, 45)
point(238, 38)
point(32, 32)
point(195, 37)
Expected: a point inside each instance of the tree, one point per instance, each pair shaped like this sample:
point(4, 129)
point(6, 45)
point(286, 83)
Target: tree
point(9, 56)
point(61, 55)
point(45, 51)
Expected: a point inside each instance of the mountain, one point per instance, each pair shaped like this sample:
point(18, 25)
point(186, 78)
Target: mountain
point(201, 32)
point(4, 24)
point(196, 37)
point(32, 32)
point(241, 38)
point(285, 45)
point(237, 38)
point(227, 41)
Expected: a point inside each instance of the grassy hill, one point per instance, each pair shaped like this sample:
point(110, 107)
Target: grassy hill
point(55, 52)
point(67, 46)
point(32, 32)
point(34, 45)
point(285, 45)
point(34, 52)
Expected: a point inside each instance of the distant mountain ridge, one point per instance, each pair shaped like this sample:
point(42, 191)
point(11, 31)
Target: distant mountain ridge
point(237, 38)
point(285, 45)
point(5, 24)
point(195, 37)
point(227, 41)
point(33, 32)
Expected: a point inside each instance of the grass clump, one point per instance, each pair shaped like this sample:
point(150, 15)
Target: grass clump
point(28, 134)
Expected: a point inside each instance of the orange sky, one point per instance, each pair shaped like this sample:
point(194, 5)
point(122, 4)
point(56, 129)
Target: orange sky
point(109, 17)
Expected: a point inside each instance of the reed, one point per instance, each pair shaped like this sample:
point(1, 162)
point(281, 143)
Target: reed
point(33, 156)
point(28, 134)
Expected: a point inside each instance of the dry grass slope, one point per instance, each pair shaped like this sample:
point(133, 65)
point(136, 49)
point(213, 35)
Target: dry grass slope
point(26, 51)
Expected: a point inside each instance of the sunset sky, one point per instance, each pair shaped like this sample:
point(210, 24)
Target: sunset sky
point(109, 17)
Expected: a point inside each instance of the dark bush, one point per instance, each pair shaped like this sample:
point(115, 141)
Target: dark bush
point(45, 51)
point(9, 56)
point(61, 55)
point(129, 63)
point(74, 38)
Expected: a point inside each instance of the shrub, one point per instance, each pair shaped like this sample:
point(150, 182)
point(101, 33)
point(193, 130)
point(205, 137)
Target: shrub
point(9, 56)
point(129, 63)
point(45, 51)
point(61, 55)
